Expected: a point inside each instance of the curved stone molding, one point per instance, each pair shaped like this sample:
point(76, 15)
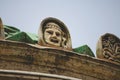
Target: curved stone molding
point(28, 75)
point(108, 48)
point(27, 57)
point(54, 33)
point(2, 34)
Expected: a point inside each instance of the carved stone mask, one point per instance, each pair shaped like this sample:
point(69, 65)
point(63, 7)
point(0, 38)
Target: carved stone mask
point(52, 34)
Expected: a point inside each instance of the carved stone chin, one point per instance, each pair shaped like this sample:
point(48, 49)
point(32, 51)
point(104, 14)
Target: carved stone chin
point(109, 48)
point(54, 33)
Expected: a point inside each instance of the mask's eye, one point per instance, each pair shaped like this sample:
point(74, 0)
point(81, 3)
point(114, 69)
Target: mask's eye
point(48, 25)
point(57, 34)
point(50, 32)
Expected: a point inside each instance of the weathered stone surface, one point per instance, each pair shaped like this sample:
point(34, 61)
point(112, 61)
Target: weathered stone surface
point(28, 75)
point(2, 34)
point(27, 57)
point(54, 33)
point(108, 48)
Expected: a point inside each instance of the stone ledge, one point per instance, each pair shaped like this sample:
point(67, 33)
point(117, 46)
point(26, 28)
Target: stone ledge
point(28, 75)
point(28, 57)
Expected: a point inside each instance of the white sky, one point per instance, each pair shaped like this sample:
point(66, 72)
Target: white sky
point(86, 20)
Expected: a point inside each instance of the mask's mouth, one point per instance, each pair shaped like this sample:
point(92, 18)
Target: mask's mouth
point(54, 40)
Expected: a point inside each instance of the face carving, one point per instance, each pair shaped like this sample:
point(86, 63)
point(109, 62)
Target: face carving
point(53, 34)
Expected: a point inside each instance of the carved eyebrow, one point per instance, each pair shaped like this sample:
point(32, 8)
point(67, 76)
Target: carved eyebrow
point(50, 32)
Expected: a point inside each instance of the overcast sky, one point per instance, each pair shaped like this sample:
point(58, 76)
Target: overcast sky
point(86, 20)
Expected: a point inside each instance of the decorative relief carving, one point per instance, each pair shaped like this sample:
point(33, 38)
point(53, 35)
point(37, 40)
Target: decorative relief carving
point(54, 33)
point(109, 47)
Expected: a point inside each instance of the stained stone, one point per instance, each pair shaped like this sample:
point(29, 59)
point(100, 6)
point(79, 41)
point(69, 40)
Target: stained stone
point(2, 34)
point(108, 48)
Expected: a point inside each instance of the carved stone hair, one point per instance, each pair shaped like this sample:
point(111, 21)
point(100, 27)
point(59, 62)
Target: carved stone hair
point(62, 27)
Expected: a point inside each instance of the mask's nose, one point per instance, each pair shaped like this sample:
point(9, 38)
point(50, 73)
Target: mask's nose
point(54, 35)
